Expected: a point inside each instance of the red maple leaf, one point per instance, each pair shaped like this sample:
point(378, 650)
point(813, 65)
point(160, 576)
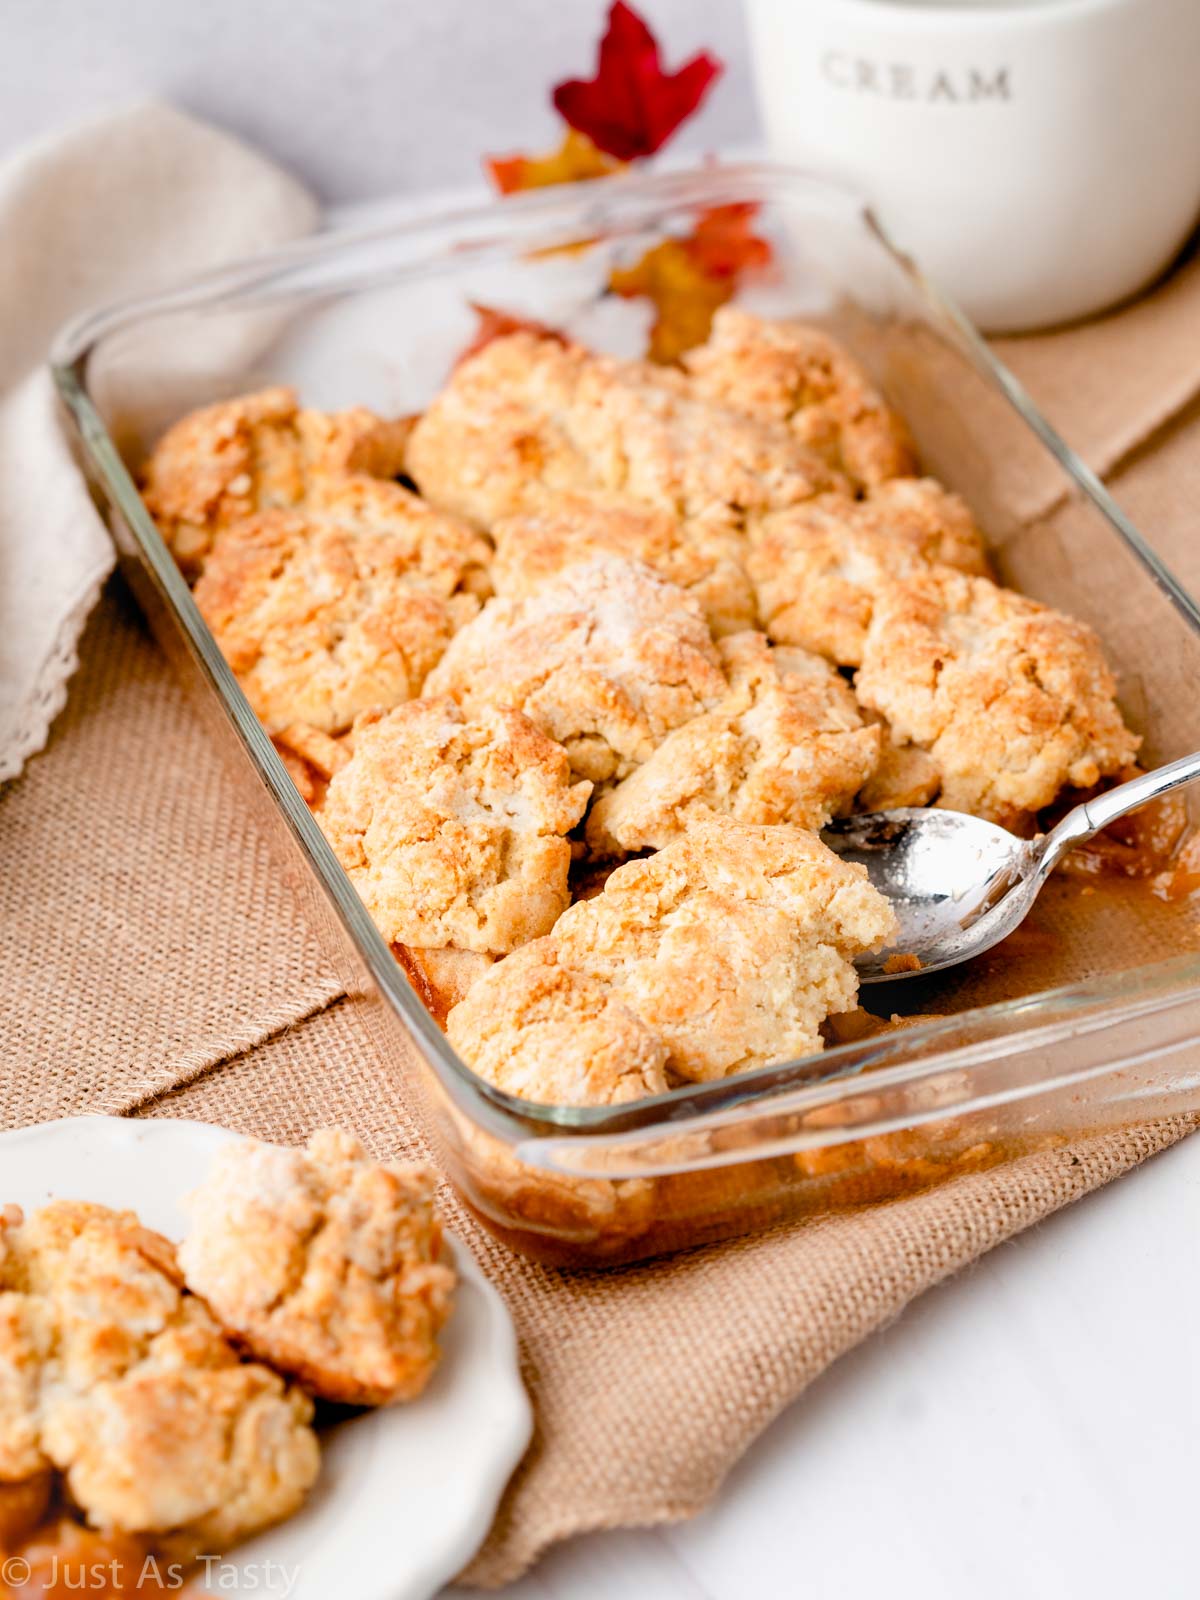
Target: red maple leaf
point(632, 107)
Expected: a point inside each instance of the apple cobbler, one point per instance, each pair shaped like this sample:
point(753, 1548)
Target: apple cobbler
point(573, 700)
point(160, 1401)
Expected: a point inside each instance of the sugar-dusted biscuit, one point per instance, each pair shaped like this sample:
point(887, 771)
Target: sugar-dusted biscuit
point(325, 614)
point(326, 1264)
point(905, 774)
point(258, 452)
point(527, 415)
point(546, 1031)
point(729, 947)
point(785, 744)
point(116, 1376)
point(818, 568)
point(607, 659)
point(793, 373)
point(705, 559)
point(1012, 700)
point(452, 825)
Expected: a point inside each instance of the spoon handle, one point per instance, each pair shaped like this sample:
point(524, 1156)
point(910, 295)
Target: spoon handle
point(1088, 819)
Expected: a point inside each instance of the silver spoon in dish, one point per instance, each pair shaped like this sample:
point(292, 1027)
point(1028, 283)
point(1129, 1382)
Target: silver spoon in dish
point(958, 884)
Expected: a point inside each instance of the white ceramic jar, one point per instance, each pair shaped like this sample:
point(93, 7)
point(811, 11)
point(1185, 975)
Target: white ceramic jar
point(1040, 158)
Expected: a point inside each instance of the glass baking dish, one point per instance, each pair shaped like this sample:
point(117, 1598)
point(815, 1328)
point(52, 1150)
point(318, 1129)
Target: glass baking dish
point(1084, 1022)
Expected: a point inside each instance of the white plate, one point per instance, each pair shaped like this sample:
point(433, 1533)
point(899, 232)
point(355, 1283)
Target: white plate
point(406, 1494)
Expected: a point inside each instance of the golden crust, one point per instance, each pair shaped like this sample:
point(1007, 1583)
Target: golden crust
point(453, 827)
point(221, 464)
point(324, 1263)
point(705, 560)
point(786, 744)
point(1012, 700)
point(544, 1031)
point(607, 658)
point(323, 616)
point(528, 415)
point(817, 569)
point(132, 1392)
point(905, 774)
point(730, 946)
point(790, 372)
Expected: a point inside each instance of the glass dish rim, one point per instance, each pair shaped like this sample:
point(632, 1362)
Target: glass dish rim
point(263, 280)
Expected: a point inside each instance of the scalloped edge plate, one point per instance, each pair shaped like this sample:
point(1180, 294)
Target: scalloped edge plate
point(406, 1494)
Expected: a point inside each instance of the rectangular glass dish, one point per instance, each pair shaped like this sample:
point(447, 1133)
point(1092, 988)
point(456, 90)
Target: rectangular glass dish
point(1086, 1020)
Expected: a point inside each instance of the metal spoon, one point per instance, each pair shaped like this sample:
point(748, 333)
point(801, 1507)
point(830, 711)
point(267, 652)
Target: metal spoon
point(958, 884)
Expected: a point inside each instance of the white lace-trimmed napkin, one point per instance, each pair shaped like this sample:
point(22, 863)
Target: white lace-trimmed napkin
point(117, 207)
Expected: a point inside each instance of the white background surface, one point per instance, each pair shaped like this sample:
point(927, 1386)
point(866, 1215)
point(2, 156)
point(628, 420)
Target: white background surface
point(1030, 1429)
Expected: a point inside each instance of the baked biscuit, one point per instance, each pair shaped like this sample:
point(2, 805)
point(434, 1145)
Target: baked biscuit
point(704, 559)
point(786, 744)
point(607, 658)
point(544, 1031)
point(731, 946)
point(324, 1263)
point(1012, 700)
point(905, 775)
point(322, 616)
point(260, 451)
point(127, 1386)
point(818, 568)
point(452, 827)
point(790, 372)
point(527, 415)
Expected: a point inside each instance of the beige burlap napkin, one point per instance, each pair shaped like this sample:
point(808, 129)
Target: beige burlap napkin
point(153, 963)
point(114, 208)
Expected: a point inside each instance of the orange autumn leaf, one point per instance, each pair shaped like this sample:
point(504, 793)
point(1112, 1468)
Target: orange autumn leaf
point(576, 160)
point(687, 280)
point(684, 297)
point(723, 245)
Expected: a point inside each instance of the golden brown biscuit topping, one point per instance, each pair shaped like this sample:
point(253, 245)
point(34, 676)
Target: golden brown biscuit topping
point(607, 659)
point(549, 1032)
point(790, 372)
point(323, 615)
point(256, 453)
point(112, 1373)
point(452, 826)
point(785, 744)
point(1012, 700)
point(324, 1263)
point(527, 415)
point(818, 569)
point(705, 560)
point(731, 946)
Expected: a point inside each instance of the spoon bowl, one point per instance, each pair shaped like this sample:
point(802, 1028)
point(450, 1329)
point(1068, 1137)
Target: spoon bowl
point(959, 884)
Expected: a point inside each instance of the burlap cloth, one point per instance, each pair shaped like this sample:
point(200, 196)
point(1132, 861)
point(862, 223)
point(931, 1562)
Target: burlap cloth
point(153, 965)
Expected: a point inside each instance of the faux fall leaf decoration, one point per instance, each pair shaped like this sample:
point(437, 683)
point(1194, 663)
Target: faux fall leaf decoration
point(632, 107)
point(689, 279)
point(624, 113)
point(575, 160)
point(628, 110)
